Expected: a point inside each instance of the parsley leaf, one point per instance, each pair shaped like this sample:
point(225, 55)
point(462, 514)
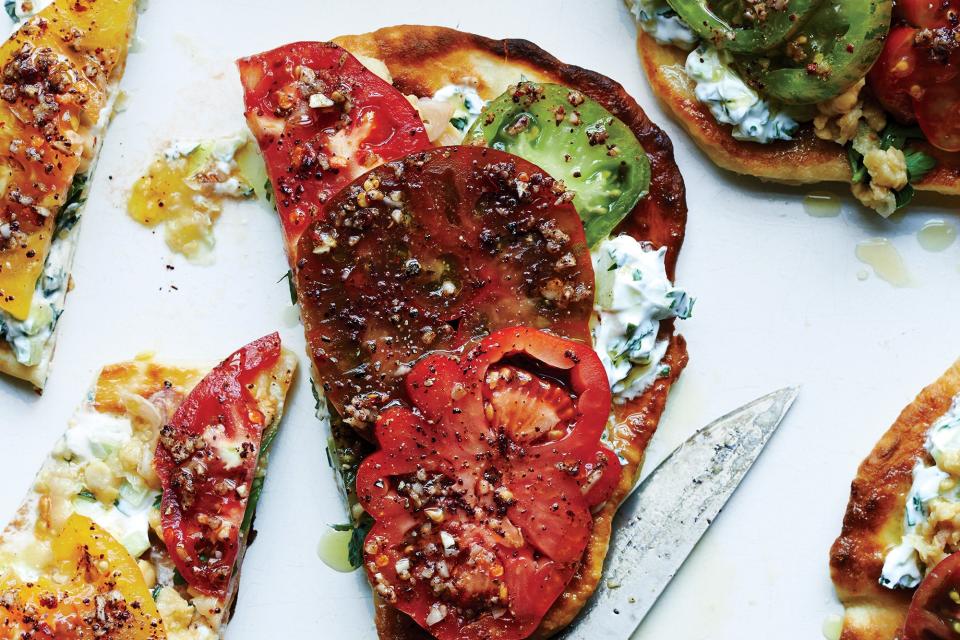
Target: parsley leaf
point(460, 124)
point(86, 495)
point(342, 527)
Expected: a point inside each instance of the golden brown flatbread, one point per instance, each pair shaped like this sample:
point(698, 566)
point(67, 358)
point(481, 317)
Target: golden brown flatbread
point(874, 519)
point(807, 159)
point(423, 59)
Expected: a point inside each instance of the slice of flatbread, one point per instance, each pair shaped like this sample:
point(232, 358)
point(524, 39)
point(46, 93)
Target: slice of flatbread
point(423, 59)
point(874, 519)
point(99, 487)
point(61, 72)
point(807, 159)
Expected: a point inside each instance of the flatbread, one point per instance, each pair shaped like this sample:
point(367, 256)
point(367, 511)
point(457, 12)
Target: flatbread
point(807, 159)
point(423, 59)
point(874, 518)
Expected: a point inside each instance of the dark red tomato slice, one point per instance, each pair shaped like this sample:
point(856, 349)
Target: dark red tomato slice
point(206, 459)
point(928, 14)
point(479, 524)
point(429, 252)
point(311, 152)
point(938, 113)
point(934, 610)
point(891, 77)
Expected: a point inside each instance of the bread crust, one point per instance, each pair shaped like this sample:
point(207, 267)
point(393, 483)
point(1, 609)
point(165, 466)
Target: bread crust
point(874, 518)
point(421, 60)
point(805, 160)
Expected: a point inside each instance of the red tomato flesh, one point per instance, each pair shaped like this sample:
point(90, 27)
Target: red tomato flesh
point(480, 524)
point(934, 609)
point(311, 152)
point(917, 76)
point(206, 459)
point(430, 252)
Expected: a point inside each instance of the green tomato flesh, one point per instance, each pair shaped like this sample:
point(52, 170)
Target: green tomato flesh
point(574, 139)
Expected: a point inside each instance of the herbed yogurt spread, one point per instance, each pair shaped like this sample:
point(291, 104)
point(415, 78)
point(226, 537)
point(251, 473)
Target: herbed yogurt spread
point(931, 518)
point(633, 295)
point(717, 86)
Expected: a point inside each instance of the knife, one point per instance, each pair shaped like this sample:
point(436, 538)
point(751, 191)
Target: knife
point(658, 526)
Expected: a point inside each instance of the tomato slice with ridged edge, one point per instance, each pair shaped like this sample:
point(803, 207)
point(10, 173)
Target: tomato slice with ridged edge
point(935, 608)
point(206, 459)
point(358, 121)
point(429, 252)
point(480, 525)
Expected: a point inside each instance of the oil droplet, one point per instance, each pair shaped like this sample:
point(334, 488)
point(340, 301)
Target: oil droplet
point(885, 260)
point(334, 550)
point(291, 316)
point(936, 235)
point(833, 627)
point(822, 204)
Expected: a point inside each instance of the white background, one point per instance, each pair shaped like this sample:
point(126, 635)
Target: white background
point(779, 302)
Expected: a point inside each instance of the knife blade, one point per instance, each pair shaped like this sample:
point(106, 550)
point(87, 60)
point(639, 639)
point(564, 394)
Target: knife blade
point(658, 526)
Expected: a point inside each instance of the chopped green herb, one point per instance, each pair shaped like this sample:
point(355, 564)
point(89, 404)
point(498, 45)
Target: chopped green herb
point(904, 196)
point(10, 6)
point(293, 287)
point(355, 548)
point(459, 123)
point(268, 190)
point(919, 164)
point(342, 527)
point(896, 135)
point(178, 579)
point(86, 495)
point(855, 158)
point(155, 592)
point(158, 501)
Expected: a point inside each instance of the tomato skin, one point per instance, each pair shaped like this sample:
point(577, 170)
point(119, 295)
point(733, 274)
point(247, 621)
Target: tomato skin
point(932, 609)
point(373, 124)
point(515, 517)
point(450, 245)
point(201, 513)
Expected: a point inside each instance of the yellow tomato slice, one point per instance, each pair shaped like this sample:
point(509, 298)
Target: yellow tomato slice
point(58, 66)
point(94, 590)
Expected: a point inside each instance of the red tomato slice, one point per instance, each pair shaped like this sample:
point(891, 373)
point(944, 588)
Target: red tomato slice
point(928, 14)
point(891, 77)
point(429, 252)
point(311, 152)
point(479, 526)
point(206, 460)
point(933, 610)
point(938, 112)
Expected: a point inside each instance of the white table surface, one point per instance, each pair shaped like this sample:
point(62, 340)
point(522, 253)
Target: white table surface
point(779, 302)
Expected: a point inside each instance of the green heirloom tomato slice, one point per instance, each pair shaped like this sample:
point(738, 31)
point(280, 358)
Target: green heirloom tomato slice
point(835, 49)
point(768, 30)
point(575, 140)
